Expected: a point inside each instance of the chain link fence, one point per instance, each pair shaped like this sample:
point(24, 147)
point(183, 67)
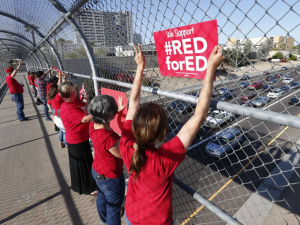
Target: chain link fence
point(246, 166)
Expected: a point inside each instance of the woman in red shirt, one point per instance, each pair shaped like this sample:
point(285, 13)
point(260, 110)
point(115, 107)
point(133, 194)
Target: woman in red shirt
point(76, 122)
point(107, 168)
point(149, 191)
point(31, 78)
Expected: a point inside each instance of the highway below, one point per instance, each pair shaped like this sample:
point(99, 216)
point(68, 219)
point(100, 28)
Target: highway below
point(229, 181)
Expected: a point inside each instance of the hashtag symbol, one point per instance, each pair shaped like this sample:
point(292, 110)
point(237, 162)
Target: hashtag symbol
point(168, 48)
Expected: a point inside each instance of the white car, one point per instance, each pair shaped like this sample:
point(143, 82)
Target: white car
point(217, 118)
point(275, 93)
point(287, 80)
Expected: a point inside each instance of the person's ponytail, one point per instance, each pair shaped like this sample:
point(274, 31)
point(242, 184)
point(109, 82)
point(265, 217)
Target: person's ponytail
point(138, 161)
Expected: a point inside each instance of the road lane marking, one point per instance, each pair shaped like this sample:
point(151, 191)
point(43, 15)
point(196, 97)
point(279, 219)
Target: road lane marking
point(232, 178)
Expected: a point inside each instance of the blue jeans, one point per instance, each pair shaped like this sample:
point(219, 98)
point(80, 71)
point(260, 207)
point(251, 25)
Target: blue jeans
point(44, 100)
point(34, 90)
point(62, 137)
point(110, 198)
point(128, 222)
point(18, 99)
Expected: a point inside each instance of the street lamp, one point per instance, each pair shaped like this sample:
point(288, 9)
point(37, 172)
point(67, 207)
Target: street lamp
point(237, 54)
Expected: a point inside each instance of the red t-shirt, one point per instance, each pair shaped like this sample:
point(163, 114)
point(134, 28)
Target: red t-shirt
point(104, 162)
point(71, 114)
point(56, 103)
point(13, 85)
point(149, 198)
point(47, 91)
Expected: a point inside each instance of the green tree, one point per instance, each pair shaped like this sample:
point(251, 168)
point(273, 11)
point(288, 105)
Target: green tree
point(278, 55)
point(29, 29)
point(247, 49)
point(293, 57)
point(92, 45)
point(81, 53)
point(264, 48)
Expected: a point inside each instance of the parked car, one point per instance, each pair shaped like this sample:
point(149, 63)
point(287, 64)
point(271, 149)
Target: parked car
point(224, 142)
point(275, 93)
point(217, 118)
point(261, 101)
point(227, 96)
point(283, 60)
point(224, 90)
point(272, 81)
point(248, 95)
point(244, 84)
point(284, 68)
point(287, 80)
point(267, 87)
point(284, 76)
point(255, 85)
point(295, 100)
point(269, 77)
point(245, 77)
point(125, 77)
point(294, 85)
point(297, 70)
point(266, 72)
point(185, 107)
point(247, 104)
point(277, 75)
point(285, 89)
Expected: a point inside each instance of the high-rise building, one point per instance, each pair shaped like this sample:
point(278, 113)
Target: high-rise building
point(106, 29)
point(137, 38)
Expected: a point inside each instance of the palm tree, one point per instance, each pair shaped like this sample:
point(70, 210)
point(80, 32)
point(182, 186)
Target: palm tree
point(29, 29)
point(62, 41)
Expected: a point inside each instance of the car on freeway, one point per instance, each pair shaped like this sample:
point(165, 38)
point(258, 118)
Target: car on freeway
point(297, 70)
point(269, 77)
point(217, 118)
point(255, 85)
point(266, 72)
point(284, 76)
point(224, 142)
point(245, 77)
point(285, 89)
point(275, 93)
point(185, 107)
point(224, 90)
point(277, 75)
point(247, 104)
point(287, 80)
point(244, 84)
point(260, 101)
point(272, 81)
point(295, 100)
point(248, 95)
point(227, 96)
point(284, 68)
point(294, 85)
point(174, 104)
point(267, 87)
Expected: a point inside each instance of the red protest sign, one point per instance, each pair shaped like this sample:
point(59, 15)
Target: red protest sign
point(184, 51)
point(57, 70)
point(117, 123)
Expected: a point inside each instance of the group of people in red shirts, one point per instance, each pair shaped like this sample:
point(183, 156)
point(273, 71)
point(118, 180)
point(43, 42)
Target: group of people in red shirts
point(150, 162)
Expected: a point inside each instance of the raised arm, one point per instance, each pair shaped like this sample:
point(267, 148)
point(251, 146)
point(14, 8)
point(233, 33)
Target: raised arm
point(14, 73)
point(135, 94)
point(192, 126)
point(48, 71)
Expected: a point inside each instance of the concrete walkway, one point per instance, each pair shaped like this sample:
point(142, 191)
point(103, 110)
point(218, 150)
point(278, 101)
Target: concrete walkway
point(34, 170)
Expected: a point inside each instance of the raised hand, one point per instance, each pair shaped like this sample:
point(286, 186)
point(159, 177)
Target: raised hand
point(139, 57)
point(120, 104)
point(215, 58)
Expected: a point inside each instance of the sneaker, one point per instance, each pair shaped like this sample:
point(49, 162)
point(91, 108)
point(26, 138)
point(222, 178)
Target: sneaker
point(25, 119)
point(48, 120)
point(38, 103)
point(62, 145)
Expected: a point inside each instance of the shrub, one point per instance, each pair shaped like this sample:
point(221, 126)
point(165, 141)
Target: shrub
point(278, 55)
point(293, 57)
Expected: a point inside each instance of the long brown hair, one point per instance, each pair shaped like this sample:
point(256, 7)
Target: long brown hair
point(53, 90)
point(149, 126)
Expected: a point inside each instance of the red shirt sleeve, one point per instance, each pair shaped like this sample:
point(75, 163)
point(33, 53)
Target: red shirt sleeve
point(76, 115)
point(111, 140)
point(171, 154)
point(126, 132)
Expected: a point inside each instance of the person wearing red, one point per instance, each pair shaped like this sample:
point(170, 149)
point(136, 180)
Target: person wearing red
point(107, 169)
point(16, 90)
point(31, 78)
point(76, 122)
point(149, 191)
